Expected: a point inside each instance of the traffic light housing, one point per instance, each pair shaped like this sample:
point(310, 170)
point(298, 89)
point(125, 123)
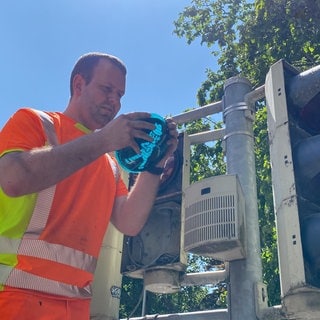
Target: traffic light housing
point(293, 100)
point(304, 119)
point(156, 252)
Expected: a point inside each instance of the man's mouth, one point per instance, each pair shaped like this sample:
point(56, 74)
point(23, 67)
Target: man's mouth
point(106, 109)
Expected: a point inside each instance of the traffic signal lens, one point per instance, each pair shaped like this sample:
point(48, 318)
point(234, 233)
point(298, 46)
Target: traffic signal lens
point(310, 236)
point(150, 152)
point(310, 115)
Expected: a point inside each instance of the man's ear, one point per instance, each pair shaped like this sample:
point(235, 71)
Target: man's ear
point(77, 83)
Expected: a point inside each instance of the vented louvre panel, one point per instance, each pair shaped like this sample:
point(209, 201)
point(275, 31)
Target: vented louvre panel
point(214, 218)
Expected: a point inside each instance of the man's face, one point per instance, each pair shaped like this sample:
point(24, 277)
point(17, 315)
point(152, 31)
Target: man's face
point(99, 100)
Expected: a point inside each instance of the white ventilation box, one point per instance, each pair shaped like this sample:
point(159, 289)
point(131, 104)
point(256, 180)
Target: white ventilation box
point(214, 218)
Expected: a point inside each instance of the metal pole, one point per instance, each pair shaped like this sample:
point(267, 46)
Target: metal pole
point(203, 278)
point(144, 301)
point(245, 273)
point(107, 281)
point(198, 113)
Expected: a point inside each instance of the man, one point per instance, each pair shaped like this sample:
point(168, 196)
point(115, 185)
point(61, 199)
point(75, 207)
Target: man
point(59, 189)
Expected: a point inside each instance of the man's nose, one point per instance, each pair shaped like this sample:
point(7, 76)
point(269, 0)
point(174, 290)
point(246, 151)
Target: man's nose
point(113, 100)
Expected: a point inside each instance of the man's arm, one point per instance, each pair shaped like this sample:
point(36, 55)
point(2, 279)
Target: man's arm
point(131, 213)
point(31, 171)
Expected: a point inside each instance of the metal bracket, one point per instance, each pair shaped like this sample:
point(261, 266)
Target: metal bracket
point(261, 298)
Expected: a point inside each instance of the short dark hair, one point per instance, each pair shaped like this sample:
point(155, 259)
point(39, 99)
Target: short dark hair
point(87, 62)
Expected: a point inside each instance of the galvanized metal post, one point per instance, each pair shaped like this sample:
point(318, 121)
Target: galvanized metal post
point(239, 141)
point(107, 278)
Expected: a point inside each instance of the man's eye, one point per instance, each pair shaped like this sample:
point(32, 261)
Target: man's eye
point(106, 89)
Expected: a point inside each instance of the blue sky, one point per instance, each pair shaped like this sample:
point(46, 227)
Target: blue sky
point(42, 39)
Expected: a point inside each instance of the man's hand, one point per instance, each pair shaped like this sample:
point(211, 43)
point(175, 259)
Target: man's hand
point(172, 141)
point(125, 129)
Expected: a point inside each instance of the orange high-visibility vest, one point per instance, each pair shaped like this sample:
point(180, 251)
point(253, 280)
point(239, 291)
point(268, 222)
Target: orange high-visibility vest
point(36, 262)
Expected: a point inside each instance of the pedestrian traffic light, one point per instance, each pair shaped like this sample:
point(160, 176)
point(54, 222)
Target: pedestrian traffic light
point(293, 102)
point(155, 254)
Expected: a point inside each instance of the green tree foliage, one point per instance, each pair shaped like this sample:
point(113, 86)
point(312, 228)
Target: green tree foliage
point(247, 38)
point(131, 297)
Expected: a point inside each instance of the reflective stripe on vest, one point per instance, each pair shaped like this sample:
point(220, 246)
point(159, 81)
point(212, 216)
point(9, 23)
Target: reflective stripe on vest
point(43, 250)
point(24, 280)
point(48, 251)
point(40, 213)
point(30, 248)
